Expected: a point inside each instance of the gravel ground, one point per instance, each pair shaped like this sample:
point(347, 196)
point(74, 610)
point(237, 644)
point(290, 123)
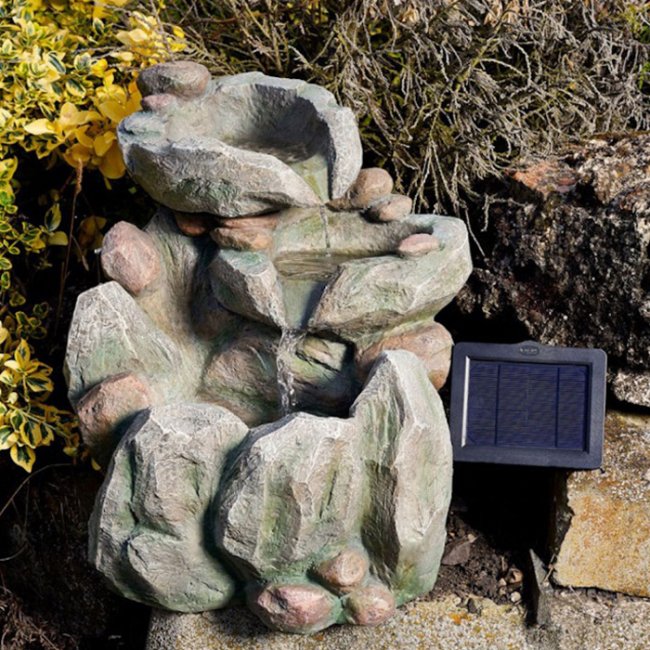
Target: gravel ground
point(578, 621)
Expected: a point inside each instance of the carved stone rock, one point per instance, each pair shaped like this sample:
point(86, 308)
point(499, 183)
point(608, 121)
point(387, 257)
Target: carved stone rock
point(179, 78)
point(248, 284)
point(407, 453)
point(370, 605)
point(332, 508)
point(110, 335)
point(193, 225)
point(344, 572)
point(303, 471)
point(147, 530)
point(417, 245)
point(296, 608)
point(378, 293)
point(371, 184)
point(311, 474)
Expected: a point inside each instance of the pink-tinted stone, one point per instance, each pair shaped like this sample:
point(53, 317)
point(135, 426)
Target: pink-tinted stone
point(193, 225)
point(295, 608)
point(370, 605)
point(156, 103)
point(431, 344)
point(181, 78)
point(344, 572)
point(130, 257)
point(371, 184)
point(105, 407)
point(243, 239)
point(418, 245)
point(390, 208)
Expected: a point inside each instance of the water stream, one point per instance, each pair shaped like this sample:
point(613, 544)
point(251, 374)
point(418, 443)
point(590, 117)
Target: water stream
point(287, 348)
point(326, 231)
point(291, 338)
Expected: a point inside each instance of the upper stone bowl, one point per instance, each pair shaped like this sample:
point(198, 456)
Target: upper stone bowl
point(238, 146)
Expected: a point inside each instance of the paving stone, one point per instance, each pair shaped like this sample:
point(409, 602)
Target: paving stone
point(603, 516)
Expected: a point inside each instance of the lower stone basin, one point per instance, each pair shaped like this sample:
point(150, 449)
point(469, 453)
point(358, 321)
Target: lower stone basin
point(191, 493)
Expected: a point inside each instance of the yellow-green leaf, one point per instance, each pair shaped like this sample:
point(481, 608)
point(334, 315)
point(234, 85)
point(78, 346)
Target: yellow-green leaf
point(31, 434)
point(38, 383)
point(8, 437)
point(75, 88)
point(58, 239)
point(22, 353)
point(55, 62)
point(40, 127)
point(7, 376)
point(23, 457)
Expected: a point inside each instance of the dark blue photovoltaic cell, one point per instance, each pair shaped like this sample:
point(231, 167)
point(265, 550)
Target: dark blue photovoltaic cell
point(481, 417)
point(572, 406)
point(527, 405)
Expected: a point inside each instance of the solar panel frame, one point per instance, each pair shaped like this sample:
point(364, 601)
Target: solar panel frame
point(579, 385)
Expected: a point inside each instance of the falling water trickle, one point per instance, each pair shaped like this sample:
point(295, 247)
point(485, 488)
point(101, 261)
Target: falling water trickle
point(287, 347)
point(326, 231)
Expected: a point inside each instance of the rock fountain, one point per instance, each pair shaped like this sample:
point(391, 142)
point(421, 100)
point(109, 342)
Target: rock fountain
point(248, 377)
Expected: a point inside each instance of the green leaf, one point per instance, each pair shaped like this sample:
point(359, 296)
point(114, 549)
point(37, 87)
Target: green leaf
point(82, 62)
point(6, 199)
point(22, 352)
point(17, 299)
point(41, 310)
point(5, 264)
point(53, 217)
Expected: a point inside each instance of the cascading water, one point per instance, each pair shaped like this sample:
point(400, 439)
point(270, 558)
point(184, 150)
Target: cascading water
point(287, 348)
point(326, 231)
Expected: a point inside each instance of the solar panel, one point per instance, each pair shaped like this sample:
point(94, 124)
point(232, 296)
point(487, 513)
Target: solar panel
point(528, 404)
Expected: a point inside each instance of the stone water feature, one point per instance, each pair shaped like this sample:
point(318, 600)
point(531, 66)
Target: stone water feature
point(248, 377)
